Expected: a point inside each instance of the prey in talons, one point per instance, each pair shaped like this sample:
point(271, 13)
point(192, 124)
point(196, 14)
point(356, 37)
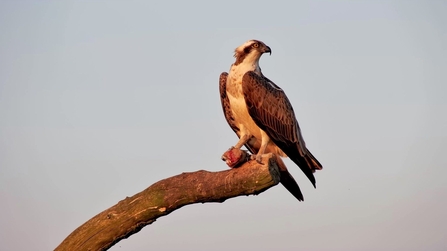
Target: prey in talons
point(234, 157)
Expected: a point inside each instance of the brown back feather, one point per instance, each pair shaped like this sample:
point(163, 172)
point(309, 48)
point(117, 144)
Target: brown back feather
point(271, 110)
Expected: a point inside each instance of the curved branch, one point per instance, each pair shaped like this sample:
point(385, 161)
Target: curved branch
point(133, 213)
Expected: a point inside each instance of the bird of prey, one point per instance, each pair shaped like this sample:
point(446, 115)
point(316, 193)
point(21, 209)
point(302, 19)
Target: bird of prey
point(261, 115)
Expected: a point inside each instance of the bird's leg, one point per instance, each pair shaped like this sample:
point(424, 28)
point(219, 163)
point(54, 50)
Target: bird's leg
point(265, 139)
point(244, 139)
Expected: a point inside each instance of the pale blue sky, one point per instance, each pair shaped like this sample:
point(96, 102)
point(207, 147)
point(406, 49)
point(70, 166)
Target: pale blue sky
point(100, 99)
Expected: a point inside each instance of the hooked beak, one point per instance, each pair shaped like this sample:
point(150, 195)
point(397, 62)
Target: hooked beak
point(267, 49)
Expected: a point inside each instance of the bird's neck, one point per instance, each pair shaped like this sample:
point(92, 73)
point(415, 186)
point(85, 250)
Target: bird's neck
point(248, 63)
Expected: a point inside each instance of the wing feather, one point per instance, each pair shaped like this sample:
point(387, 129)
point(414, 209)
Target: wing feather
point(272, 111)
point(226, 102)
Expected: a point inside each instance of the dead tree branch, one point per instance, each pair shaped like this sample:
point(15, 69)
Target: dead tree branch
point(133, 213)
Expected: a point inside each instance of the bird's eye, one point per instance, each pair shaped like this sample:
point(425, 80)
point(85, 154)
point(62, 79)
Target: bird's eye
point(256, 45)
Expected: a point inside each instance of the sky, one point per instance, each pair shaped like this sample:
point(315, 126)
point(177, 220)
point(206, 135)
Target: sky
point(101, 99)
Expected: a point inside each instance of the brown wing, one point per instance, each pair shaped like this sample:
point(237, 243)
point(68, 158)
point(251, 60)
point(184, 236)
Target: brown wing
point(271, 110)
point(226, 103)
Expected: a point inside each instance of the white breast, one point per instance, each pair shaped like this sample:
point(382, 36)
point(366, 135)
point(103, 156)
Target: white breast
point(239, 108)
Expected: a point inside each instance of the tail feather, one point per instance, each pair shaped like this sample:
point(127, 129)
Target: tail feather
point(287, 180)
point(312, 162)
point(308, 164)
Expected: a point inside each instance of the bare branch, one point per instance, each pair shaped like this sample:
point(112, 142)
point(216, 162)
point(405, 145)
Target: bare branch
point(133, 213)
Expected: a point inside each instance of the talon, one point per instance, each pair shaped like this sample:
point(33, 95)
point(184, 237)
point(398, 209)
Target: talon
point(259, 158)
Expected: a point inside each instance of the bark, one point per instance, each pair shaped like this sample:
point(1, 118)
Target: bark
point(133, 213)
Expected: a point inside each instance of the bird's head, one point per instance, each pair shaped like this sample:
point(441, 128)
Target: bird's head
point(250, 51)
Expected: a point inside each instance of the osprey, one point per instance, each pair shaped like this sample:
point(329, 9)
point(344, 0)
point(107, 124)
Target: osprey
point(261, 115)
